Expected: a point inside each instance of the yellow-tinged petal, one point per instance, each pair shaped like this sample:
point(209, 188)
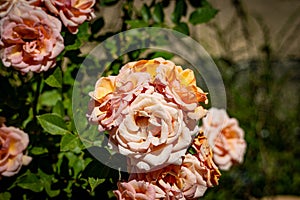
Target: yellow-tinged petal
point(105, 86)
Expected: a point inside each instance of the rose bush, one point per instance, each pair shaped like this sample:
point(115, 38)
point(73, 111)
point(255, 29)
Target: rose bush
point(225, 137)
point(13, 144)
point(30, 39)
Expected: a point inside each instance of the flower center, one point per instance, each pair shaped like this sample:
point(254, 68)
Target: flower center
point(141, 121)
point(27, 34)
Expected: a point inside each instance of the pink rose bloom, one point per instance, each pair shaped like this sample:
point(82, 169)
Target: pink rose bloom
point(13, 142)
point(226, 138)
point(72, 12)
point(30, 39)
point(135, 190)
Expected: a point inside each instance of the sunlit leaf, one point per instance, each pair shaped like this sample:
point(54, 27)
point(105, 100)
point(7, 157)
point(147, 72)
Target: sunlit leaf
point(95, 182)
point(38, 150)
point(69, 142)
point(55, 79)
point(31, 182)
point(53, 124)
point(49, 98)
point(47, 180)
point(59, 108)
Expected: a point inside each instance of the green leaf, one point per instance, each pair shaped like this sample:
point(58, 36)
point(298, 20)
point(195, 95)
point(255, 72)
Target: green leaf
point(53, 124)
point(202, 14)
point(158, 13)
point(47, 180)
point(38, 150)
point(76, 163)
point(69, 142)
point(136, 23)
point(165, 55)
point(183, 28)
point(49, 98)
point(145, 11)
point(180, 10)
point(31, 182)
point(82, 34)
point(95, 182)
point(5, 196)
point(59, 108)
point(55, 79)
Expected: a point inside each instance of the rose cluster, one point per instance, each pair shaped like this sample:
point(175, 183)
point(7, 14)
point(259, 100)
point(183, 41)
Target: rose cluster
point(13, 143)
point(151, 111)
point(31, 30)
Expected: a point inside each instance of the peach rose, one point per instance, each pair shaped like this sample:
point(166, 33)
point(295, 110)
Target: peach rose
point(188, 180)
point(13, 143)
point(226, 138)
point(72, 12)
point(30, 39)
point(153, 133)
point(135, 190)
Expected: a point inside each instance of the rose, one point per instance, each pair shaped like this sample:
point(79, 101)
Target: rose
point(153, 133)
point(226, 138)
point(30, 39)
point(72, 13)
point(134, 190)
point(13, 143)
point(188, 180)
